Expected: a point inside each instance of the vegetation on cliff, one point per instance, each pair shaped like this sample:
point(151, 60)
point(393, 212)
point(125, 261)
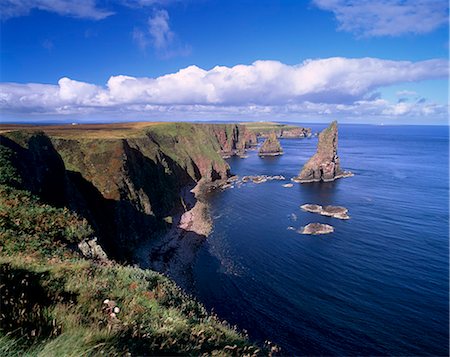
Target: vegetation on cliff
point(53, 299)
point(127, 180)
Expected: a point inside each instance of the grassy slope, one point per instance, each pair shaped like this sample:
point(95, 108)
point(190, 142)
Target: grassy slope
point(52, 298)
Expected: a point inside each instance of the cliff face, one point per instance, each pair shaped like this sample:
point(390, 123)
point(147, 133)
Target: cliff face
point(295, 133)
point(264, 129)
point(325, 164)
point(271, 146)
point(233, 139)
point(127, 187)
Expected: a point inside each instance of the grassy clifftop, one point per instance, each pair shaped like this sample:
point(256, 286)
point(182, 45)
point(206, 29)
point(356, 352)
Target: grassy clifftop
point(127, 180)
point(52, 299)
point(281, 130)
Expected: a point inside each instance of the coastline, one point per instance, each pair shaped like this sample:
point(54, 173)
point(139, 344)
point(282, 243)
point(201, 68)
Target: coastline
point(174, 252)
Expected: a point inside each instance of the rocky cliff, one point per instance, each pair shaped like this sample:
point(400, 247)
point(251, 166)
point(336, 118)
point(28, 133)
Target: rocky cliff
point(263, 129)
point(233, 139)
point(271, 146)
point(295, 133)
point(127, 181)
point(324, 165)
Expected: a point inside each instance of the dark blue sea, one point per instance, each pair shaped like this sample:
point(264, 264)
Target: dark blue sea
point(378, 285)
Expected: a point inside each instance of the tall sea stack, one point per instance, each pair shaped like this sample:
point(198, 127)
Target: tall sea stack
point(271, 147)
point(324, 165)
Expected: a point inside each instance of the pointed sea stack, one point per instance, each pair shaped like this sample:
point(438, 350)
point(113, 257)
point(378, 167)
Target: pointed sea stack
point(271, 147)
point(324, 165)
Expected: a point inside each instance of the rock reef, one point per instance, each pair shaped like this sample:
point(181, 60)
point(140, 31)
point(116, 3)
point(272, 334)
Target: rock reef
point(262, 178)
point(316, 228)
point(271, 146)
point(324, 165)
point(329, 211)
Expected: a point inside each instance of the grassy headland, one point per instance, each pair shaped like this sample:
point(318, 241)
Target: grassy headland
point(52, 297)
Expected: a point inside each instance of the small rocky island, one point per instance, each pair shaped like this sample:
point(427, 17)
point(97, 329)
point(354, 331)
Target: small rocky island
point(316, 228)
point(324, 165)
point(329, 211)
point(271, 146)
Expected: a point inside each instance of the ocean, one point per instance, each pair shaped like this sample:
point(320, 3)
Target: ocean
point(378, 285)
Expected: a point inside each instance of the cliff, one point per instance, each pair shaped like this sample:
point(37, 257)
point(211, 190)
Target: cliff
point(233, 139)
point(127, 180)
point(263, 129)
point(324, 165)
point(271, 146)
point(61, 293)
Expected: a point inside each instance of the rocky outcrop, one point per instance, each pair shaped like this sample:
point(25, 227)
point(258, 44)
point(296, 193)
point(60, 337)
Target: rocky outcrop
point(329, 211)
point(325, 164)
point(271, 146)
point(92, 250)
point(316, 228)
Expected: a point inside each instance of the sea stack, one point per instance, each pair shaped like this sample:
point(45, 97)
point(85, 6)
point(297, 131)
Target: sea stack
point(324, 165)
point(271, 147)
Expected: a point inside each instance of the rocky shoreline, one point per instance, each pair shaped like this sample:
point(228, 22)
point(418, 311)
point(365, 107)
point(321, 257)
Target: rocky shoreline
point(174, 252)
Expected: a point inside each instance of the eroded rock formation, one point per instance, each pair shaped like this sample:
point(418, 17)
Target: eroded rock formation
point(325, 163)
point(271, 146)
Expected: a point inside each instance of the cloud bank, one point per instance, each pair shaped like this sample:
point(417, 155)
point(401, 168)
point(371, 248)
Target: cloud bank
point(387, 17)
point(322, 86)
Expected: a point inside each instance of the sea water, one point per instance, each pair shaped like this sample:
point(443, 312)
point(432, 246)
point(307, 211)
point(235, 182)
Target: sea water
point(378, 285)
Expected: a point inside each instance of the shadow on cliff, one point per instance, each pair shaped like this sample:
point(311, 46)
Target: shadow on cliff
point(122, 224)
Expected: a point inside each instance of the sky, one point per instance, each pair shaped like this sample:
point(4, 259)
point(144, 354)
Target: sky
point(357, 61)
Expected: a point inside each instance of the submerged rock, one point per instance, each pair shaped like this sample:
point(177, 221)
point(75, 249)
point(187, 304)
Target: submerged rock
point(325, 163)
point(316, 228)
point(329, 211)
point(288, 185)
point(271, 147)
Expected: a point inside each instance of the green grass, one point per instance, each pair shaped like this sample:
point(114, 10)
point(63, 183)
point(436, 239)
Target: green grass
point(155, 316)
point(52, 298)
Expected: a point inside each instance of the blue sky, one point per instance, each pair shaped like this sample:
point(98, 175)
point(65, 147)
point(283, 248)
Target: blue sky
point(357, 61)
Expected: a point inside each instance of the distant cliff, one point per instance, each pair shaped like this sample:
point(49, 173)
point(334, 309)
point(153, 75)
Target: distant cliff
point(263, 129)
point(127, 181)
point(324, 165)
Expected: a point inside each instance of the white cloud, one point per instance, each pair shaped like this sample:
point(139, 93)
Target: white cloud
point(160, 36)
point(387, 17)
point(80, 9)
point(324, 86)
point(159, 29)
